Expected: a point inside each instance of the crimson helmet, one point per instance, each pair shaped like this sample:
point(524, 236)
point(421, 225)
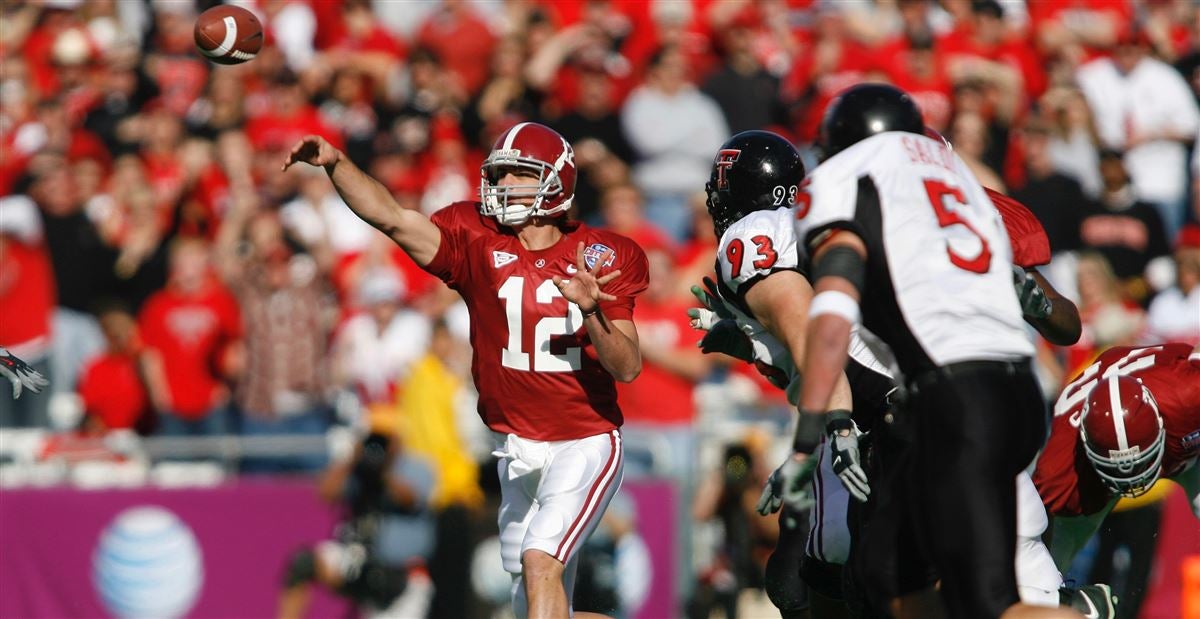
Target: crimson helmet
point(531, 147)
point(1123, 434)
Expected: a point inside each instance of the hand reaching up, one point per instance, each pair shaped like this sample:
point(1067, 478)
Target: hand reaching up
point(313, 150)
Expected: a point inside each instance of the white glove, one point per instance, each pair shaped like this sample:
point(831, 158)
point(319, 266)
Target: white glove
point(847, 463)
point(770, 357)
point(790, 483)
point(20, 374)
point(1034, 302)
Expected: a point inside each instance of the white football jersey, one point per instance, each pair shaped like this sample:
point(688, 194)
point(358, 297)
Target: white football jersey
point(763, 242)
point(939, 284)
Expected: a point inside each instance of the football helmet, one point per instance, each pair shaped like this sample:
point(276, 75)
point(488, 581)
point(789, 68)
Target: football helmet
point(536, 149)
point(1123, 434)
point(862, 111)
point(753, 171)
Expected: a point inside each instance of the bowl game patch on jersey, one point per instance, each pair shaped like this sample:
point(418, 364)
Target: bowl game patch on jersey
point(595, 251)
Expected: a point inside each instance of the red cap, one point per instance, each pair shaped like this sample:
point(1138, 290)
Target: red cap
point(1189, 237)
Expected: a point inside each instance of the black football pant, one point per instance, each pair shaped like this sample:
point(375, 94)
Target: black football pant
point(947, 497)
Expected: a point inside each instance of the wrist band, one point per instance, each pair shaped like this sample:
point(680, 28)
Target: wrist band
point(837, 421)
point(834, 302)
point(591, 312)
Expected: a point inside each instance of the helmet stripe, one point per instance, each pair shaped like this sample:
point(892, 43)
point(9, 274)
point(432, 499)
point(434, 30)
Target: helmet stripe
point(512, 135)
point(1118, 411)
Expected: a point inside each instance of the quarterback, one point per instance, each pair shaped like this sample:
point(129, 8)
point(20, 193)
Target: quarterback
point(551, 306)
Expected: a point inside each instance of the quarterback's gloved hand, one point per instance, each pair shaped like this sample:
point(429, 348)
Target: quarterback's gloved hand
point(789, 484)
point(847, 463)
point(1034, 302)
point(20, 374)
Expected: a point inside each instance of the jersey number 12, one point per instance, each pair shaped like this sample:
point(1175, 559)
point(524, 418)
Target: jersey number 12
point(513, 294)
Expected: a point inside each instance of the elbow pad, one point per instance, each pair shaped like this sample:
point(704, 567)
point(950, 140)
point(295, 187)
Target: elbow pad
point(844, 262)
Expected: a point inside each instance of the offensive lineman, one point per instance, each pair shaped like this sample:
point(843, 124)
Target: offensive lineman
point(1130, 418)
point(900, 230)
point(551, 306)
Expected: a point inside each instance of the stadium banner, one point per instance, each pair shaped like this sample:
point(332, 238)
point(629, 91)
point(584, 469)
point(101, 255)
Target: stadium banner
point(214, 552)
point(211, 552)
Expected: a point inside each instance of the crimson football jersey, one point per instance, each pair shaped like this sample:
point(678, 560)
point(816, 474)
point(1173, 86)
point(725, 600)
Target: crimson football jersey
point(534, 365)
point(1030, 245)
point(1065, 479)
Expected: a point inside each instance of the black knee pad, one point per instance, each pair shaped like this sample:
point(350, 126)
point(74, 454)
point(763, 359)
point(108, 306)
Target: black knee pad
point(785, 588)
point(301, 569)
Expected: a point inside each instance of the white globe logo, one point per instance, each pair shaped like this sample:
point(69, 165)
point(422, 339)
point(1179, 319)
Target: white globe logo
point(147, 564)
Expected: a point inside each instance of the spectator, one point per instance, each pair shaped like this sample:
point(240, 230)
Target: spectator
point(374, 351)
point(111, 386)
point(1125, 230)
point(318, 215)
point(601, 151)
point(462, 40)
point(83, 269)
point(624, 213)
point(378, 555)
point(747, 93)
point(1054, 198)
point(1074, 145)
point(435, 406)
point(970, 136)
point(1143, 107)
point(1175, 312)
point(914, 65)
point(281, 293)
point(659, 404)
point(190, 329)
point(1109, 318)
point(26, 304)
point(674, 130)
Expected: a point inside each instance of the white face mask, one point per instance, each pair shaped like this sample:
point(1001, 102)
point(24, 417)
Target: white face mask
point(497, 200)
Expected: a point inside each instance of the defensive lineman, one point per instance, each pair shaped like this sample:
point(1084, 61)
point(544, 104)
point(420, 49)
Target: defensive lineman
point(896, 224)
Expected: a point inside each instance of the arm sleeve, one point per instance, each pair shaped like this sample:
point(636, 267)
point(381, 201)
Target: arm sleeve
point(828, 199)
point(449, 264)
point(754, 247)
point(1030, 245)
point(635, 276)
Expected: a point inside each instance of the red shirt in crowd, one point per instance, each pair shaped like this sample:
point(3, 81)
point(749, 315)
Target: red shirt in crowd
point(536, 370)
point(112, 390)
point(1065, 479)
point(27, 294)
point(659, 396)
point(463, 42)
point(270, 131)
point(191, 333)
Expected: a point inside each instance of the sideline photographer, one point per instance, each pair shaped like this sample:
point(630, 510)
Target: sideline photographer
point(377, 557)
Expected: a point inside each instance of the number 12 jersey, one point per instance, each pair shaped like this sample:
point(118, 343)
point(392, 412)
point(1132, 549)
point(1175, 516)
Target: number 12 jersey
point(534, 365)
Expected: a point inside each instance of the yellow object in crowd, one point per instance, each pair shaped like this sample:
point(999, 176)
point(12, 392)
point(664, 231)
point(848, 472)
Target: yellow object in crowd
point(428, 426)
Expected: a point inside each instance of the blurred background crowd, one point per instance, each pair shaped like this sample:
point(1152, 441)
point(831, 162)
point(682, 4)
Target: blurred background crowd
point(194, 305)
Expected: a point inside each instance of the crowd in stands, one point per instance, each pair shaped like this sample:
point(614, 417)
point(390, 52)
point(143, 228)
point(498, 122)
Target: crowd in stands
point(168, 278)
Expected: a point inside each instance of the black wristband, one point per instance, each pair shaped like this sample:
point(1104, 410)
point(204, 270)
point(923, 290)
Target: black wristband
point(591, 312)
point(837, 421)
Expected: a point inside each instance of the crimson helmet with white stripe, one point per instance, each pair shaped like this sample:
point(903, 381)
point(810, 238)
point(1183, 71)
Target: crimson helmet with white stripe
point(1123, 434)
point(537, 149)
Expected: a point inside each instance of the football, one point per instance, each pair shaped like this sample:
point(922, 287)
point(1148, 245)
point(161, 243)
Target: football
point(228, 34)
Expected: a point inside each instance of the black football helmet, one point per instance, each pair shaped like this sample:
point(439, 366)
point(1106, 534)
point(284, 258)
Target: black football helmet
point(753, 171)
point(862, 111)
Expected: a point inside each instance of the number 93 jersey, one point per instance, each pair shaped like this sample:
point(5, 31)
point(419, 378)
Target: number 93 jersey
point(752, 248)
point(533, 363)
point(939, 286)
